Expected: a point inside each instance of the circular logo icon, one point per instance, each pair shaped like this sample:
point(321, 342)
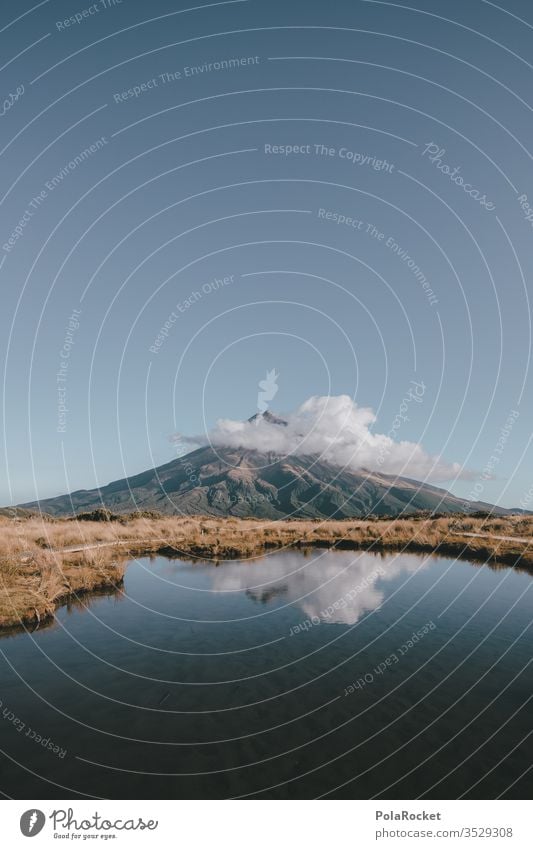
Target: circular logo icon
point(32, 822)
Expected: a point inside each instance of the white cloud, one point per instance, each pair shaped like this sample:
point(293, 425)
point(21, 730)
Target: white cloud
point(339, 431)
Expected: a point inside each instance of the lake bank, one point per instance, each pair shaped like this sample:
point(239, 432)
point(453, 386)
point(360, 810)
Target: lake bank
point(43, 562)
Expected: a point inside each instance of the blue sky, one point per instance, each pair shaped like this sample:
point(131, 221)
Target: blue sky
point(337, 191)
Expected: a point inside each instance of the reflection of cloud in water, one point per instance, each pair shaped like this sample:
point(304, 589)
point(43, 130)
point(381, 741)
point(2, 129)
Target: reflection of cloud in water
point(329, 587)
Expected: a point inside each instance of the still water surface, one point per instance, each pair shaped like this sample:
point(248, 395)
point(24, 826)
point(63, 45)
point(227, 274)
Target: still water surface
point(290, 676)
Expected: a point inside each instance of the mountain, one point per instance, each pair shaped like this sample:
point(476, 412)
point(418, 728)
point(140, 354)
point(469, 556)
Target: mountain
point(241, 482)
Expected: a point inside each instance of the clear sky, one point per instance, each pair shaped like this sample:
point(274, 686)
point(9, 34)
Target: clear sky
point(195, 194)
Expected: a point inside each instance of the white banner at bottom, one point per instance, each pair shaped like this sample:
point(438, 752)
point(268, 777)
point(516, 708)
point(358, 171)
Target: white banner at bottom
point(267, 823)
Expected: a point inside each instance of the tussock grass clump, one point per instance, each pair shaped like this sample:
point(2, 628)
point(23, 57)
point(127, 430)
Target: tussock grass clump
point(101, 514)
point(31, 590)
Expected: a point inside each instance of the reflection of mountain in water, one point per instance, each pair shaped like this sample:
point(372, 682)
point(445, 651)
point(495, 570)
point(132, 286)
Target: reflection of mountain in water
point(266, 595)
point(334, 589)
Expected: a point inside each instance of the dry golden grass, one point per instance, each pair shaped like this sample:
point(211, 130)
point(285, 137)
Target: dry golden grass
point(36, 574)
point(31, 591)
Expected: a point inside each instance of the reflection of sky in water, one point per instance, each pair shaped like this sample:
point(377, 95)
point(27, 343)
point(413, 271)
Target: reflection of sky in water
point(196, 654)
point(335, 589)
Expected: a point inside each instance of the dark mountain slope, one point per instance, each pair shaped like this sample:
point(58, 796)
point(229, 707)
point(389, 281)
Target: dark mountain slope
point(237, 482)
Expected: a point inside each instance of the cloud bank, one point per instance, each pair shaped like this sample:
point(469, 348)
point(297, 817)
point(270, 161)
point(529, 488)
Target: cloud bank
point(339, 431)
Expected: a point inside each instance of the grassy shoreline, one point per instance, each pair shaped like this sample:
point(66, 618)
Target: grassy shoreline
point(38, 574)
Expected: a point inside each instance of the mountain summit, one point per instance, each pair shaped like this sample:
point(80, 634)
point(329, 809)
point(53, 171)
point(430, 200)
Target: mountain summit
point(269, 417)
point(221, 481)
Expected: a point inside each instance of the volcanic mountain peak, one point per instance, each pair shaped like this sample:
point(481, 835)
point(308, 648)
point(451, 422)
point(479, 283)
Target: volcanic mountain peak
point(223, 481)
point(269, 417)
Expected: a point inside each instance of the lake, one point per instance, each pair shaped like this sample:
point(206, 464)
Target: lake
point(295, 675)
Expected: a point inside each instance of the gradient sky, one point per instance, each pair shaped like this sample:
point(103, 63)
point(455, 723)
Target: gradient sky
point(181, 192)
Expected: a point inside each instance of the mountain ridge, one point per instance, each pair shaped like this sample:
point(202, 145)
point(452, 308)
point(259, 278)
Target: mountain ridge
point(244, 482)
